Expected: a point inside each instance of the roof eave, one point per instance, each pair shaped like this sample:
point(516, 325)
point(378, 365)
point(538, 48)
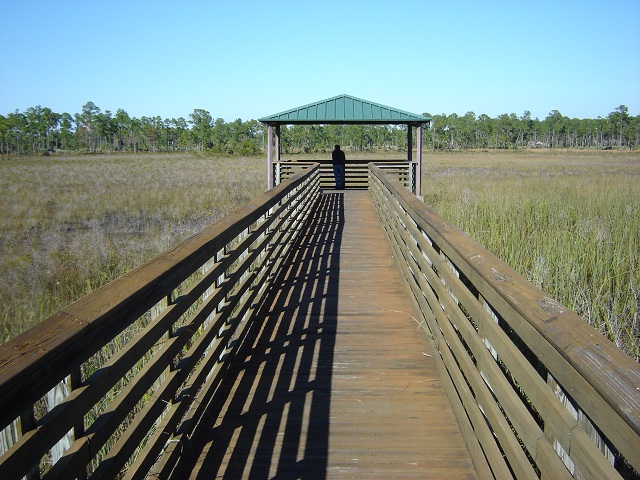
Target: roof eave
point(270, 121)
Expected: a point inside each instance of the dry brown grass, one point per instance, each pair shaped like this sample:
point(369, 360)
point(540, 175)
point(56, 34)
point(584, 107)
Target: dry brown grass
point(568, 220)
point(68, 225)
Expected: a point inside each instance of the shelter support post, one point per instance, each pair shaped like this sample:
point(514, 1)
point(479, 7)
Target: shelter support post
point(278, 166)
point(410, 157)
point(269, 157)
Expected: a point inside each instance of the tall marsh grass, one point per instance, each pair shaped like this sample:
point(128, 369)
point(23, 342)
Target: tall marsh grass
point(68, 225)
point(569, 222)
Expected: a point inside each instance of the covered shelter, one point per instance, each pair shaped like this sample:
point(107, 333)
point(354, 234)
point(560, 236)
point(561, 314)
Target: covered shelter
point(344, 109)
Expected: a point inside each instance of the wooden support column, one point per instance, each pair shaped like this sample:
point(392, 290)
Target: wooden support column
point(419, 165)
point(278, 178)
point(269, 157)
point(412, 180)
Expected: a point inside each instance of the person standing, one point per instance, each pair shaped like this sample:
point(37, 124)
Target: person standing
point(339, 160)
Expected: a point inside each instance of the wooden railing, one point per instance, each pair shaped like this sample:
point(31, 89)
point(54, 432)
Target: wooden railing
point(109, 385)
point(356, 172)
point(537, 391)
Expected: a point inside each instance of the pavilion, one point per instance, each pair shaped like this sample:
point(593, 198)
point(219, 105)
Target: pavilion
point(344, 109)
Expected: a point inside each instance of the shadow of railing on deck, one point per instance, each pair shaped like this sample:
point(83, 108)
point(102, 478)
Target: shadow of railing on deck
point(282, 373)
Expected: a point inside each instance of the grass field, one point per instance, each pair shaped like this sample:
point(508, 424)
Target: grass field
point(68, 225)
point(567, 220)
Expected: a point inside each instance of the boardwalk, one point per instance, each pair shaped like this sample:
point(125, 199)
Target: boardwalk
point(336, 382)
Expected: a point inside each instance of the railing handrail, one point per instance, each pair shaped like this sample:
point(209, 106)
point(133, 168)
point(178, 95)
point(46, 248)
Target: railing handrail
point(465, 291)
point(216, 265)
point(356, 171)
point(361, 161)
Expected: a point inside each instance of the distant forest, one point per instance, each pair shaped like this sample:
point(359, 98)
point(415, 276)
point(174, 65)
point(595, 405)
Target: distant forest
point(39, 130)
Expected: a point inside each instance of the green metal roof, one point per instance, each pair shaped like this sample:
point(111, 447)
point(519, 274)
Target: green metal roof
point(344, 109)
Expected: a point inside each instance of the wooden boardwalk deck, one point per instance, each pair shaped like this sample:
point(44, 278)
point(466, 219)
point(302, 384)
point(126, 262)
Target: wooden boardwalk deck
point(336, 382)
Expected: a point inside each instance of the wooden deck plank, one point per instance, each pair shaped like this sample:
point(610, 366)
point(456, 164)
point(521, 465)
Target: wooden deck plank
point(336, 382)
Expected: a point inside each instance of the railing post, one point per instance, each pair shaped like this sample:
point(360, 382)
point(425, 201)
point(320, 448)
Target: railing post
point(418, 190)
point(412, 179)
point(27, 422)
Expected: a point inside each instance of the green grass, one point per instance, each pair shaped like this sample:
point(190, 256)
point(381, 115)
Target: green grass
point(568, 221)
point(68, 225)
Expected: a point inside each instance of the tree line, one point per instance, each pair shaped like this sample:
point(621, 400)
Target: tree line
point(39, 130)
point(616, 130)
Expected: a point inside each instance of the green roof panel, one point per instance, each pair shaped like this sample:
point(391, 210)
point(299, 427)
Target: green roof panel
point(344, 109)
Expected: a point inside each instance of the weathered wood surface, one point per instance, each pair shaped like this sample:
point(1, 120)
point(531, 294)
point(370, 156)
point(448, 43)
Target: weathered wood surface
point(542, 378)
point(333, 380)
point(173, 318)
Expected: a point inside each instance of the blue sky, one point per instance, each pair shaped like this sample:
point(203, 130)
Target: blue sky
point(247, 59)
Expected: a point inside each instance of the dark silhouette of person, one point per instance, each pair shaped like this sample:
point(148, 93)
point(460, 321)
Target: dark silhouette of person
point(339, 160)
